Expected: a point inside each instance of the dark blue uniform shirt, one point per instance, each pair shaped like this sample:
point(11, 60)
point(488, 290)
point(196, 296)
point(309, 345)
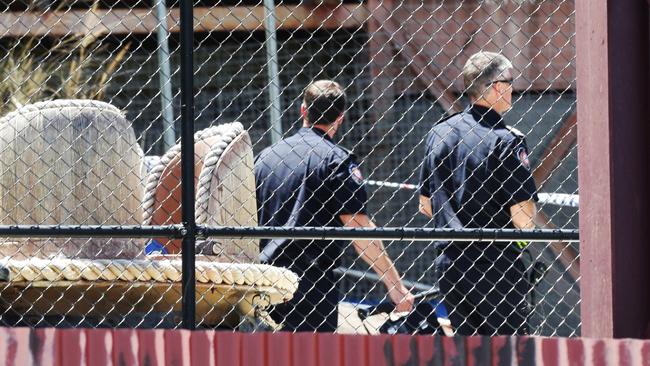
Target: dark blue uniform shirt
point(306, 180)
point(475, 168)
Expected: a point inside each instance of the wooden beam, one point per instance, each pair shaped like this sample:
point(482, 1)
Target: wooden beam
point(380, 51)
point(143, 21)
point(564, 252)
point(413, 51)
point(561, 144)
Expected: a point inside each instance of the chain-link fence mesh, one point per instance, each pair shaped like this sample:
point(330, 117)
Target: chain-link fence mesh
point(117, 162)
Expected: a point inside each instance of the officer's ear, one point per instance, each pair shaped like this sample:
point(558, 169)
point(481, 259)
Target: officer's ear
point(303, 111)
point(339, 119)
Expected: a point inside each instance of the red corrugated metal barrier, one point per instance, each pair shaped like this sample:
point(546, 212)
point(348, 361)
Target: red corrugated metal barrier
point(69, 347)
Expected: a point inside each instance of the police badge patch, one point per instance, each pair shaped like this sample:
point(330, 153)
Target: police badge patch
point(355, 173)
point(522, 155)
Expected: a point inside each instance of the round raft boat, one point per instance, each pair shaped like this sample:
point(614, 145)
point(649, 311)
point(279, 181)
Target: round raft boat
point(78, 162)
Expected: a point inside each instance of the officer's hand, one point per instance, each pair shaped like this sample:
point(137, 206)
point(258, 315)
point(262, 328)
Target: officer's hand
point(402, 298)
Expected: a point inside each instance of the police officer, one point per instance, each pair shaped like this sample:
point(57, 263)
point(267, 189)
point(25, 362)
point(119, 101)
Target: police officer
point(476, 174)
point(308, 180)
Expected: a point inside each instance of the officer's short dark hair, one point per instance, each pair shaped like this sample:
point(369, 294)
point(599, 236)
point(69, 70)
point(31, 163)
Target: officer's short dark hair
point(325, 101)
point(481, 69)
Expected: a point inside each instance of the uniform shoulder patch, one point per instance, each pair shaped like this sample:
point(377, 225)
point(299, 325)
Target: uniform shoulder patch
point(355, 173)
point(515, 131)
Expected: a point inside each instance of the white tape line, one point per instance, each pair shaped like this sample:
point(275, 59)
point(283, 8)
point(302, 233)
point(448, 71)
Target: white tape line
point(381, 183)
point(557, 199)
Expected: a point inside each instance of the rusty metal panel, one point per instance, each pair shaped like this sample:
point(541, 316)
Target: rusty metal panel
point(15, 347)
point(549, 351)
point(477, 349)
point(334, 349)
point(356, 350)
point(125, 347)
point(70, 347)
point(427, 350)
point(304, 350)
point(278, 350)
point(377, 348)
point(150, 350)
point(228, 349)
point(99, 344)
point(454, 350)
point(256, 351)
point(41, 346)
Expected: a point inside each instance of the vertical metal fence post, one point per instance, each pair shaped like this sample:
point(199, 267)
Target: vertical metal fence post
point(165, 75)
point(187, 162)
point(272, 70)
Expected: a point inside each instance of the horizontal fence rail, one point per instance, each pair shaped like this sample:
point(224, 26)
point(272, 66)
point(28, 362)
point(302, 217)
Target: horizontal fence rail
point(387, 233)
point(86, 231)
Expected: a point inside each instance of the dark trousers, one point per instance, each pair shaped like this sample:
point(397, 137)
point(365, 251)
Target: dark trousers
point(485, 291)
point(314, 306)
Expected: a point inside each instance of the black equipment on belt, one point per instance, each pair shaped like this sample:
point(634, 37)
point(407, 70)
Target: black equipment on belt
point(421, 320)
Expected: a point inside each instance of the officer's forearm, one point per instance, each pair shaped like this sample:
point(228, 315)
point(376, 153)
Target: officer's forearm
point(425, 206)
point(524, 215)
point(373, 252)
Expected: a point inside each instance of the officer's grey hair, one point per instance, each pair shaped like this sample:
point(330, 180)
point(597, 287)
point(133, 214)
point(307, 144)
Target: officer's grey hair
point(481, 69)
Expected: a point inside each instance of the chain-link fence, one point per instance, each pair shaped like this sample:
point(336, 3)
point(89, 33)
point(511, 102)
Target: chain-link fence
point(446, 183)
